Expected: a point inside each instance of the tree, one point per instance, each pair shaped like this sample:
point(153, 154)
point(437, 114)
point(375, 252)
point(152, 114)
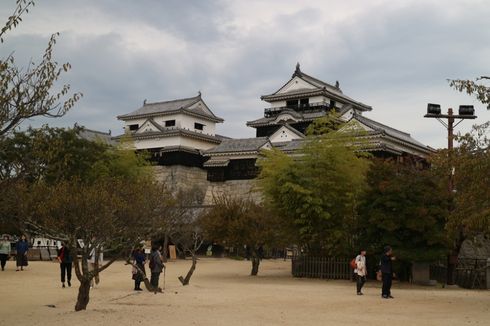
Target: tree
point(475, 87)
point(470, 206)
point(406, 208)
point(51, 154)
point(109, 214)
point(184, 230)
point(69, 188)
point(237, 222)
point(317, 191)
point(31, 91)
point(176, 220)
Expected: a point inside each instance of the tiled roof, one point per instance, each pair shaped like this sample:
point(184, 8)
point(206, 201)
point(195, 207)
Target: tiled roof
point(292, 146)
point(168, 107)
point(170, 132)
point(307, 116)
point(216, 162)
point(321, 88)
point(403, 136)
point(239, 145)
point(94, 135)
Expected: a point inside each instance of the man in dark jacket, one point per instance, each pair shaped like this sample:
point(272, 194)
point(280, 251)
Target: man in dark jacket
point(156, 267)
point(66, 260)
point(387, 272)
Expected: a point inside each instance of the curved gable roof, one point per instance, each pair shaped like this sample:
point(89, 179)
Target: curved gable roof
point(185, 105)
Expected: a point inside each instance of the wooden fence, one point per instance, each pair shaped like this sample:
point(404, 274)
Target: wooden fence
point(471, 273)
point(322, 267)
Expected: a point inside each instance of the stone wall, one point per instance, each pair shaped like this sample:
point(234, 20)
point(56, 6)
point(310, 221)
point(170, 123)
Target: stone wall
point(240, 188)
point(183, 177)
point(477, 247)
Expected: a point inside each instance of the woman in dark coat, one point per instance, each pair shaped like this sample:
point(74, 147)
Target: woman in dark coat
point(22, 247)
point(140, 260)
point(66, 261)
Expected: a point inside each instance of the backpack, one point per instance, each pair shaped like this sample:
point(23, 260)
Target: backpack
point(353, 264)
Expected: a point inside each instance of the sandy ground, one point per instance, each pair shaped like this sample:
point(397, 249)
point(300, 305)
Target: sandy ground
point(222, 293)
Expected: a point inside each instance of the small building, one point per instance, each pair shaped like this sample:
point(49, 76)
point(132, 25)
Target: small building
point(174, 131)
point(300, 101)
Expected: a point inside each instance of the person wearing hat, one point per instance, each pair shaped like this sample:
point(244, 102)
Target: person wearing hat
point(387, 272)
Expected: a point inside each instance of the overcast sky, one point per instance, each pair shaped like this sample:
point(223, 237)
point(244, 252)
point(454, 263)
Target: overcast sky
point(392, 55)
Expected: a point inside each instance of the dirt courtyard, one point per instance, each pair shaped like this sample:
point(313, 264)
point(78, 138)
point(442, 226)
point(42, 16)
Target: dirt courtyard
point(222, 293)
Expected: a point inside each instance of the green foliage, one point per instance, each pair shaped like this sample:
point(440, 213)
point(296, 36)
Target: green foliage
point(56, 154)
point(405, 208)
point(470, 213)
point(317, 191)
point(237, 222)
point(121, 161)
point(324, 125)
point(473, 87)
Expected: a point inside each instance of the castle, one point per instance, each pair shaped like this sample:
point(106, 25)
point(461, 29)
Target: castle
point(181, 135)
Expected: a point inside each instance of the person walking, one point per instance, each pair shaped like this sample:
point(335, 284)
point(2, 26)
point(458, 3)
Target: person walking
point(4, 251)
point(139, 258)
point(156, 267)
point(66, 262)
point(360, 271)
point(22, 247)
point(387, 272)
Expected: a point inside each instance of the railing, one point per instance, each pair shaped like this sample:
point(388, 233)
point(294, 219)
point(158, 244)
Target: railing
point(438, 272)
point(321, 267)
point(269, 112)
point(471, 273)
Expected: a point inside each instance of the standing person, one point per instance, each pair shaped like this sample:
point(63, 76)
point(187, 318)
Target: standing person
point(96, 260)
point(140, 260)
point(22, 247)
point(156, 267)
point(387, 272)
point(360, 271)
point(66, 260)
point(4, 250)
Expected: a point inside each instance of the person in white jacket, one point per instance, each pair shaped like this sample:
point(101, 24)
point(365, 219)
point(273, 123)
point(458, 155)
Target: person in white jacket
point(360, 271)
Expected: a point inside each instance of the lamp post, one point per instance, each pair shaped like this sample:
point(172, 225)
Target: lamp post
point(465, 112)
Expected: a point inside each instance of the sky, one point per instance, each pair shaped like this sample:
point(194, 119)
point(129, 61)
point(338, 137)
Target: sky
point(395, 56)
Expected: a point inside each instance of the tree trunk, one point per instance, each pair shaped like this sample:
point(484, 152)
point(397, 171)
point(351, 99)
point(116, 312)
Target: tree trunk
point(165, 247)
point(83, 295)
point(146, 281)
point(452, 258)
point(185, 281)
point(255, 265)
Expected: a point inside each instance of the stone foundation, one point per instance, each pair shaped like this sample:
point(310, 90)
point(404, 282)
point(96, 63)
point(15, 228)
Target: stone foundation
point(183, 177)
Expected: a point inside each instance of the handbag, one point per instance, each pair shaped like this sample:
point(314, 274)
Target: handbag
point(378, 276)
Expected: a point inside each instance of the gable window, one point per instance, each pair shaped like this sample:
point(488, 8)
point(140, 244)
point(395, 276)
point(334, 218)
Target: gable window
point(304, 102)
point(133, 127)
point(292, 103)
point(170, 123)
point(198, 126)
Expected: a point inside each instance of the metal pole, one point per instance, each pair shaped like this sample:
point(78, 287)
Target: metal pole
point(452, 257)
point(450, 138)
